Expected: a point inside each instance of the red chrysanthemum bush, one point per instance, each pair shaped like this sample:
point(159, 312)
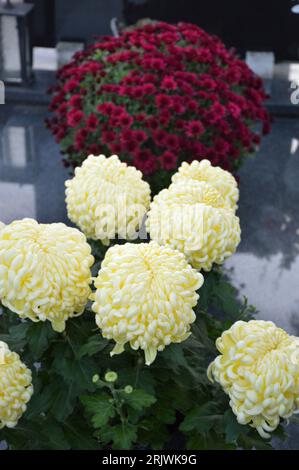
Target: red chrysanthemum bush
point(158, 95)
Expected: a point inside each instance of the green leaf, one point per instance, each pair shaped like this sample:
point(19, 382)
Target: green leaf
point(100, 407)
point(58, 397)
point(16, 339)
point(40, 402)
point(64, 400)
point(53, 436)
point(200, 419)
point(208, 442)
point(174, 357)
point(79, 435)
point(152, 433)
point(139, 399)
point(144, 379)
point(232, 428)
point(73, 370)
point(39, 334)
point(164, 411)
point(44, 434)
point(123, 436)
point(254, 442)
point(94, 345)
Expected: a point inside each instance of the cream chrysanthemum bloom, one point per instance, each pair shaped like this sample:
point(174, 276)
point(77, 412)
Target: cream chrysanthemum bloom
point(44, 271)
point(2, 225)
point(220, 179)
point(145, 295)
point(15, 387)
point(107, 198)
point(193, 217)
point(259, 369)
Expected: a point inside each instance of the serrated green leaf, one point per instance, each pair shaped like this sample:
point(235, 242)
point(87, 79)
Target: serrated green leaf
point(79, 435)
point(16, 338)
point(201, 418)
point(152, 433)
point(254, 442)
point(232, 428)
point(164, 411)
point(208, 442)
point(94, 345)
point(39, 334)
point(64, 400)
point(53, 436)
point(45, 434)
point(123, 436)
point(174, 357)
point(73, 370)
point(145, 379)
point(100, 407)
point(40, 402)
point(139, 399)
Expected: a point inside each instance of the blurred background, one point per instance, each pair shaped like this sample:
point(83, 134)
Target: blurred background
point(37, 37)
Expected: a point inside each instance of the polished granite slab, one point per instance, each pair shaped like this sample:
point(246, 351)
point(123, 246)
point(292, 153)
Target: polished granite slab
point(31, 174)
point(266, 265)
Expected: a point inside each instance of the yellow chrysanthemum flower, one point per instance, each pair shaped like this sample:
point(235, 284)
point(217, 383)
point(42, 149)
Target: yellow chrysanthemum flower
point(107, 198)
point(44, 271)
point(220, 179)
point(259, 369)
point(145, 295)
point(15, 387)
point(193, 217)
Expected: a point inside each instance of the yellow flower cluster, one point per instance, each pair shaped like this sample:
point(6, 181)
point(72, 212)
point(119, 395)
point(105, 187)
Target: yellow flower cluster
point(194, 217)
point(44, 271)
point(145, 295)
point(220, 179)
point(15, 387)
point(259, 369)
point(107, 198)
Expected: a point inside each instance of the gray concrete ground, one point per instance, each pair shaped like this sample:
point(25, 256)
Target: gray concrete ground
point(266, 265)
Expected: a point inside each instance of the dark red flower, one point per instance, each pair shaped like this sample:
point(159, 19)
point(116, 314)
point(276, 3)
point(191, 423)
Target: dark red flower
point(75, 117)
point(168, 161)
point(163, 101)
point(159, 136)
point(106, 108)
point(115, 147)
point(194, 128)
point(125, 120)
point(140, 136)
point(158, 95)
point(71, 85)
point(145, 161)
point(172, 141)
point(107, 137)
point(75, 101)
point(92, 122)
point(168, 83)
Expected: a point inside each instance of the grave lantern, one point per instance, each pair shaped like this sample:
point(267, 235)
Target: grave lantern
point(15, 43)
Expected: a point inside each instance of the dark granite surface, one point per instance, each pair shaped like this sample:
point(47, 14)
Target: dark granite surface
point(31, 174)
